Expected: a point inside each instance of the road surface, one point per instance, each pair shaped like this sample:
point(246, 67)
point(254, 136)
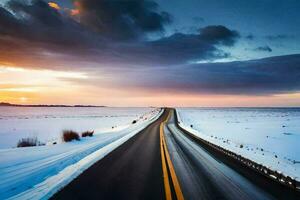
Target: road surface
point(132, 171)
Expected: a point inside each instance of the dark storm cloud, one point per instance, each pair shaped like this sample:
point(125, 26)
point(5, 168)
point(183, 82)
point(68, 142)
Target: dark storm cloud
point(104, 32)
point(263, 48)
point(42, 27)
point(179, 47)
point(128, 19)
point(112, 19)
point(219, 34)
point(267, 76)
point(32, 30)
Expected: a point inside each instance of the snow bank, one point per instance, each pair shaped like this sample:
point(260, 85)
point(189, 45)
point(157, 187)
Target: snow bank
point(39, 172)
point(268, 136)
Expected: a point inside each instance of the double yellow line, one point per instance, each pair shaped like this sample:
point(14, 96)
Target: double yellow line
point(167, 163)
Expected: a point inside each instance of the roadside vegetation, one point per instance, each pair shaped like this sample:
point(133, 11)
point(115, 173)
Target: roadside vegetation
point(87, 134)
point(29, 142)
point(69, 135)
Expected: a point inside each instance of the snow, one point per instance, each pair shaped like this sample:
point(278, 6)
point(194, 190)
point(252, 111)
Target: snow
point(47, 123)
point(268, 136)
point(39, 172)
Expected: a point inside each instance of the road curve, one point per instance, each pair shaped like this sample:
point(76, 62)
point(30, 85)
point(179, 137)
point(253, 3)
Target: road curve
point(132, 171)
point(203, 175)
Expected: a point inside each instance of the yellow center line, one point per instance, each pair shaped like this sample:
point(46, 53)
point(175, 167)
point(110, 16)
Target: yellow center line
point(164, 166)
point(174, 178)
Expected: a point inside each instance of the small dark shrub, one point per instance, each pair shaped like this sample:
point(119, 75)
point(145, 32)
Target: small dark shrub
point(69, 135)
point(87, 134)
point(29, 142)
point(134, 121)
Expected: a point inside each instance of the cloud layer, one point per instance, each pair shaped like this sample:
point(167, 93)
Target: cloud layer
point(106, 31)
point(266, 76)
point(122, 20)
point(117, 35)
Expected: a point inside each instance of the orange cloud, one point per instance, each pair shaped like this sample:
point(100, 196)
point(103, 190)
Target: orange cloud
point(54, 5)
point(75, 12)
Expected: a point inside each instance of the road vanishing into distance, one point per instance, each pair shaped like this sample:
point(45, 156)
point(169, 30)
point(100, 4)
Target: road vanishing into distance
point(164, 162)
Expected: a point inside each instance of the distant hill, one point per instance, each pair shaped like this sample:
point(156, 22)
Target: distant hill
point(42, 105)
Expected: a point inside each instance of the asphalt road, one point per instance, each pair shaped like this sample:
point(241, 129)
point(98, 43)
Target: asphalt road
point(203, 175)
point(135, 171)
point(132, 171)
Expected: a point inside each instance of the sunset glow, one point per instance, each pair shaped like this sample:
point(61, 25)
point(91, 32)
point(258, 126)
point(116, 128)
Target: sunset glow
point(19, 85)
point(86, 52)
point(75, 12)
point(32, 86)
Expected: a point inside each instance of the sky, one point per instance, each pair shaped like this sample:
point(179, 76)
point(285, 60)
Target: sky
point(150, 53)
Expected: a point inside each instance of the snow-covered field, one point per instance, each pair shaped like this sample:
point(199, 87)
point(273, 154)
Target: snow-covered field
point(269, 136)
point(38, 172)
point(47, 123)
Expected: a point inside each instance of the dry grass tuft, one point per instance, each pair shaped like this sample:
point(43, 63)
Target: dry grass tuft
point(69, 135)
point(29, 142)
point(87, 134)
